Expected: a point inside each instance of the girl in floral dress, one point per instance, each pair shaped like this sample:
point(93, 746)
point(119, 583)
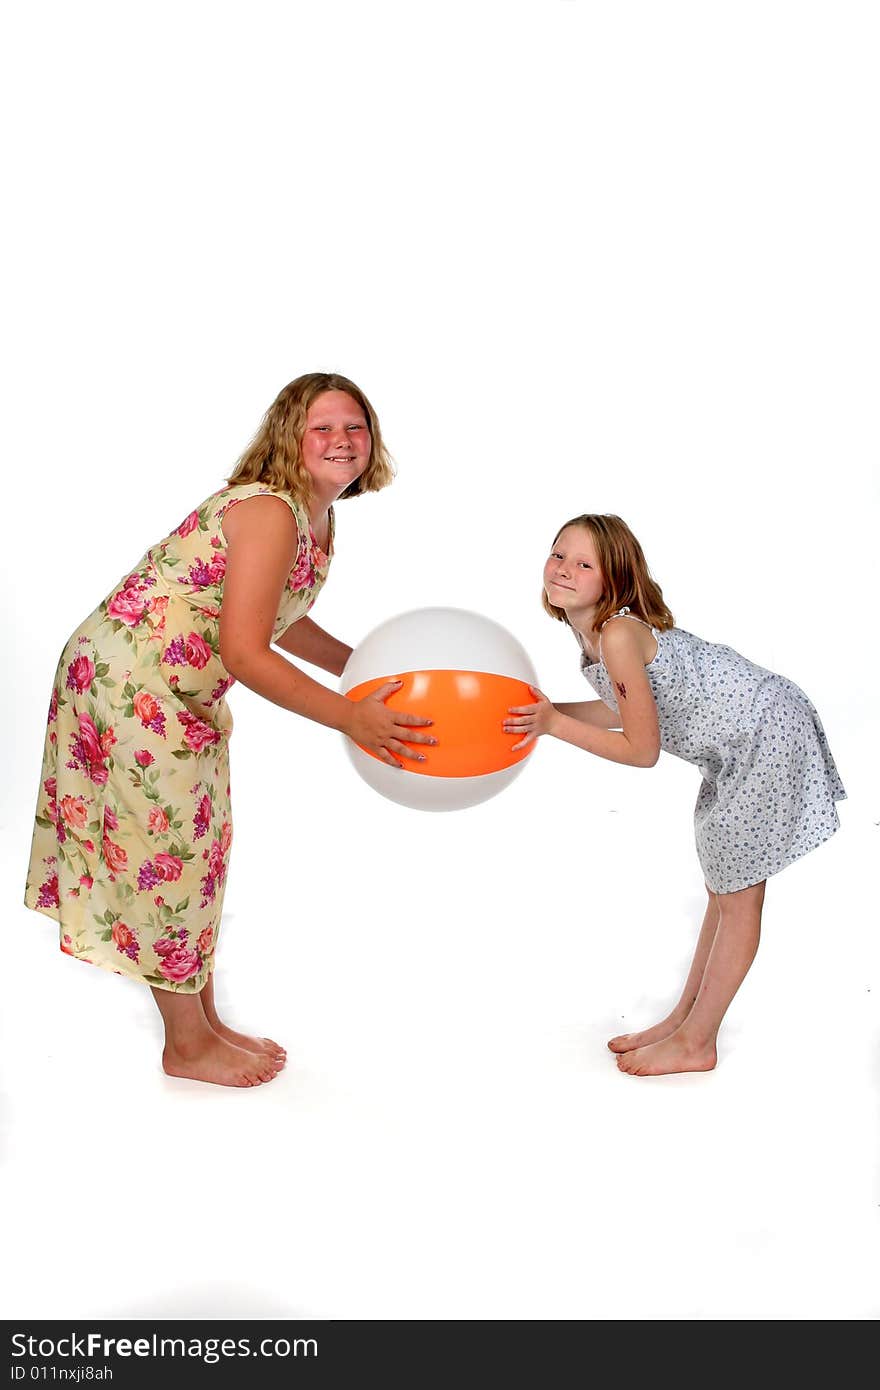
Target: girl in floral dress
point(769, 783)
point(134, 827)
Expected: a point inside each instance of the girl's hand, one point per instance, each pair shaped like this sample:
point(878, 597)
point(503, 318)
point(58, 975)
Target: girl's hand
point(382, 730)
point(531, 720)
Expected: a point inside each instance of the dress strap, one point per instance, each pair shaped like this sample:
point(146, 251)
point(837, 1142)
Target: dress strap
point(625, 613)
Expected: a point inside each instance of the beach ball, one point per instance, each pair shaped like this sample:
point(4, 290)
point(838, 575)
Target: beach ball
point(462, 671)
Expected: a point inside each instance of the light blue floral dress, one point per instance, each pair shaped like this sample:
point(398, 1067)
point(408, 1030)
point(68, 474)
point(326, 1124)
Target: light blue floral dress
point(769, 781)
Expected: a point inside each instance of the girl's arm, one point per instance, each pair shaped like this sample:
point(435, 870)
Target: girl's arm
point(638, 743)
point(261, 538)
point(594, 712)
point(311, 643)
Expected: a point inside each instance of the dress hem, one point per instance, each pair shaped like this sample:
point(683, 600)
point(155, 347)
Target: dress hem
point(185, 987)
point(782, 864)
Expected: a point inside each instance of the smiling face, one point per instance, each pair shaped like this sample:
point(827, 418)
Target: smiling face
point(573, 579)
point(336, 443)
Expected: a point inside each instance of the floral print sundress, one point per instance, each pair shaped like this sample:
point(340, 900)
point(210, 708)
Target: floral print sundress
point(134, 825)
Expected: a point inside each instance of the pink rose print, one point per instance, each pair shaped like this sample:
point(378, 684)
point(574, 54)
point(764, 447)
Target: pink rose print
point(205, 942)
point(128, 605)
point(115, 857)
point(187, 651)
point(144, 757)
point(75, 811)
point(111, 821)
point(202, 818)
point(86, 880)
point(86, 752)
point(147, 709)
point(80, 674)
point(108, 738)
point(216, 857)
point(302, 576)
point(126, 940)
point(197, 734)
point(219, 691)
point(198, 653)
point(122, 935)
point(67, 945)
point(157, 821)
point(156, 608)
point(168, 867)
point(53, 707)
point(90, 739)
point(179, 961)
point(146, 706)
point(189, 524)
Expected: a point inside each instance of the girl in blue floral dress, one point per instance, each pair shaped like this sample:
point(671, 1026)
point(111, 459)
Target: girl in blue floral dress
point(769, 781)
point(134, 825)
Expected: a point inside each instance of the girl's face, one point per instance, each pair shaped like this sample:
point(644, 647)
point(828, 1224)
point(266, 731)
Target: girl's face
point(336, 443)
point(573, 580)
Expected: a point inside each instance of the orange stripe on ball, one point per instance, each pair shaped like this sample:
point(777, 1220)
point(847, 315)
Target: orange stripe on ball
point(467, 709)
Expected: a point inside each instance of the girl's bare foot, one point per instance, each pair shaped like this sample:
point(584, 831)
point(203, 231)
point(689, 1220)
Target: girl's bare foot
point(672, 1054)
point(627, 1042)
point(211, 1058)
point(264, 1046)
point(259, 1046)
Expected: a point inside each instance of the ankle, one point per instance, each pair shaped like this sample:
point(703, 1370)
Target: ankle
point(694, 1038)
point(190, 1041)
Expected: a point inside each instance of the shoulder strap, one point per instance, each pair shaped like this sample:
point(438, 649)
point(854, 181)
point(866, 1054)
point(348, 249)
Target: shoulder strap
point(625, 613)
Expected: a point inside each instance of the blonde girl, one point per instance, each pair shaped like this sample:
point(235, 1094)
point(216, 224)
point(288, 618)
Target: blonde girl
point(134, 824)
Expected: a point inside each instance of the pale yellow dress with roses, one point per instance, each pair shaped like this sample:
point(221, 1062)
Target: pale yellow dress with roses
point(134, 826)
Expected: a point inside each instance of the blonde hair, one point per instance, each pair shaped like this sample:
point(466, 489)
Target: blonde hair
point(627, 580)
point(274, 455)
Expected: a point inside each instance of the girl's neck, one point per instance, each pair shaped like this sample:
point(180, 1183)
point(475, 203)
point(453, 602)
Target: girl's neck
point(583, 626)
point(319, 504)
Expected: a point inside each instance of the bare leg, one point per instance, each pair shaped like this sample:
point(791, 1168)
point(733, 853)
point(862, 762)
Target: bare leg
point(692, 1046)
point(193, 1049)
point(626, 1042)
point(250, 1044)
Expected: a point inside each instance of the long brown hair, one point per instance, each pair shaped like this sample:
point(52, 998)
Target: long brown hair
point(274, 455)
point(628, 583)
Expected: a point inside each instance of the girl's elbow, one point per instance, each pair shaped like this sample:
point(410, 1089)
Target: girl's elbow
point(236, 660)
point(648, 756)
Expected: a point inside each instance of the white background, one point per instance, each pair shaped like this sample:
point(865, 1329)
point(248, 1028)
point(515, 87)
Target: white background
point(581, 257)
